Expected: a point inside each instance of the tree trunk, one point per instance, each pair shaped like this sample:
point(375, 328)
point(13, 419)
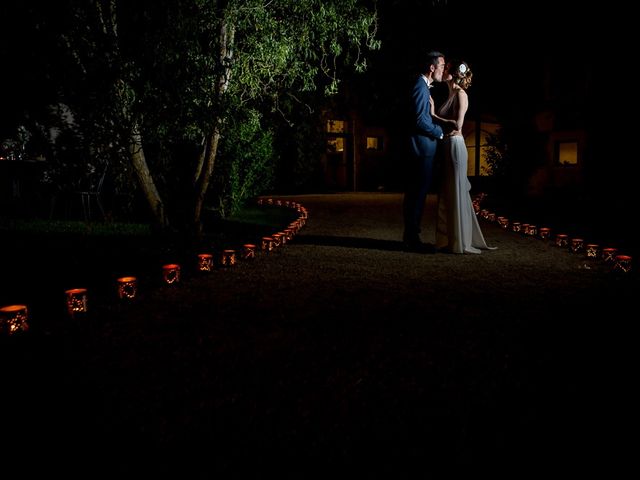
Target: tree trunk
point(203, 181)
point(145, 180)
point(200, 164)
point(205, 170)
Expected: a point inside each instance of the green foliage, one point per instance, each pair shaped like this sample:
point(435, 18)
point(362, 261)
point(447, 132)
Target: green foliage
point(298, 45)
point(74, 227)
point(246, 163)
point(264, 215)
point(159, 68)
point(497, 156)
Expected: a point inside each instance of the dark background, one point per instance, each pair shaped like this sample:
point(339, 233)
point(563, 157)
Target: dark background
point(529, 57)
point(507, 45)
point(522, 54)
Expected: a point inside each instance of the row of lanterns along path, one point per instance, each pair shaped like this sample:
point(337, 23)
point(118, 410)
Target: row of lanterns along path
point(14, 319)
point(610, 255)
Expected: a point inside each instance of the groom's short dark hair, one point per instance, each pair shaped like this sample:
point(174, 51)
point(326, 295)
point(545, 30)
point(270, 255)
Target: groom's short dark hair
point(432, 59)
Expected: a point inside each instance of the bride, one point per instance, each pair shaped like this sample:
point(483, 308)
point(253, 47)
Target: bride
point(457, 229)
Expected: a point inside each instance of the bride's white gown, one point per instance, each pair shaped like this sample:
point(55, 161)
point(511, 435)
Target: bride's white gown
point(457, 229)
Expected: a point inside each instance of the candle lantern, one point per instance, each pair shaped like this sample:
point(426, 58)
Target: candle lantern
point(289, 233)
point(13, 319)
point(248, 251)
point(76, 301)
point(228, 258)
point(171, 273)
point(261, 201)
point(545, 233)
point(266, 244)
point(127, 288)
point(484, 213)
point(279, 203)
point(562, 240)
point(609, 254)
point(622, 263)
point(269, 201)
point(491, 217)
point(577, 244)
point(524, 228)
point(205, 262)
point(516, 227)
point(283, 237)
point(591, 250)
point(277, 240)
point(504, 222)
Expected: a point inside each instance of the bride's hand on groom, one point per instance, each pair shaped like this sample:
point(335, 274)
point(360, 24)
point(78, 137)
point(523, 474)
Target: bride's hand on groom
point(449, 126)
point(453, 133)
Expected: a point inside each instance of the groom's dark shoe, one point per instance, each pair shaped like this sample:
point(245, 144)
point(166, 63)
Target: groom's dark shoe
point(412, 243)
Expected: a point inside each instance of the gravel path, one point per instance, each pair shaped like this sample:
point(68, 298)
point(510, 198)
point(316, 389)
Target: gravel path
point(340, 353)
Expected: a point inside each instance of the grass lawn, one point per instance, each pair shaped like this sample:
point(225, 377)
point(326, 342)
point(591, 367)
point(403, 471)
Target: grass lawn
point(42, 259)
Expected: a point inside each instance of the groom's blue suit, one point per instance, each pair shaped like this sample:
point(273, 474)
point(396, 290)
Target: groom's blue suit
point(423, 140)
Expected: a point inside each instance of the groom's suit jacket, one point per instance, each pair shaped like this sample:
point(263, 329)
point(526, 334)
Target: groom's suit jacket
point(425, 133)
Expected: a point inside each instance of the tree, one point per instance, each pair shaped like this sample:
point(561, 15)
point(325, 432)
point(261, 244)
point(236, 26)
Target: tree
point(169, 73)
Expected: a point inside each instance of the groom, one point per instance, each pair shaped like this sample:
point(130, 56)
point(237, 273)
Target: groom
point(423, 138)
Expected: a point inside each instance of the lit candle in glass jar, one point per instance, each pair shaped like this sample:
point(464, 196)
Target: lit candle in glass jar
point(171, 273)
point(14, 319)
point(248, 251)
point(545, 233)
point(127, 288)
point(591, 250)
point(577, 244)
point(205, 262)
point(609, 254)
point(562, 240)
point(228, 258)
point(622, 263)
point(266, 244)
point(76, 301)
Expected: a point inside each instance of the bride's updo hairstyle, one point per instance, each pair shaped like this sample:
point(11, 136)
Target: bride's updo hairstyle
point(461, 74)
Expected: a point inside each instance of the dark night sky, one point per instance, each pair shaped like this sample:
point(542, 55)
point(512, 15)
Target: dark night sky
point(506, 43)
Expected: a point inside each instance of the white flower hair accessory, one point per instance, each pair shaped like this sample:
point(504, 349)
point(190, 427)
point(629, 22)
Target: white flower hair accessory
point(462, 69)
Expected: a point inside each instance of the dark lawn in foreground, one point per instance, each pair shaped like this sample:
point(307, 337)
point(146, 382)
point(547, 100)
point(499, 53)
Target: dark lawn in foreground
point(42, 258)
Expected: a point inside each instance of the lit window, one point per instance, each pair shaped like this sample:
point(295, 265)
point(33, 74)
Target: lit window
point(374, 143)
point(335, 144)
point(487, 148)
point(567, 153)
point(336, 126)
